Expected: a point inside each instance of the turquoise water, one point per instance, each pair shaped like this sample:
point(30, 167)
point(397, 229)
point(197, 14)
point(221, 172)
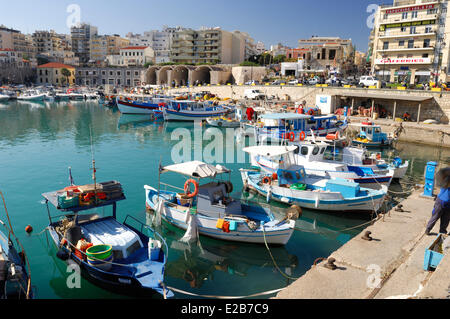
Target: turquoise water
point(39, 141)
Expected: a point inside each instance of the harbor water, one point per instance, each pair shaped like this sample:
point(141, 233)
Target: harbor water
point(39, 141)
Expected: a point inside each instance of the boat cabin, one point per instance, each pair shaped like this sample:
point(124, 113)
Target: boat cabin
point(372, 132)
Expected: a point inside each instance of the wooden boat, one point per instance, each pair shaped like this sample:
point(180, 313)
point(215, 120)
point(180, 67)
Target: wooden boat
point(128, 106)
point(293, 127)
point(223, 122)
point(15, 278)
point(293, 186)
point(312, 156)
point(117, 256)
point(192, 111)
point(212, 211)
point(371, 135)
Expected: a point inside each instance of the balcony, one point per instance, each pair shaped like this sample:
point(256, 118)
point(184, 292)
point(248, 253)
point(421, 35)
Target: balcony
point(406, 49)
point(392, 35)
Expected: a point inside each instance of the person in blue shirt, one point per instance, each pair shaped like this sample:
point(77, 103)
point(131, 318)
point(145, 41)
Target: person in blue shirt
point(441, 209)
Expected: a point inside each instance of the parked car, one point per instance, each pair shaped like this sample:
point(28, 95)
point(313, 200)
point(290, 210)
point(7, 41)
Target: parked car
point(252, 83)
point(313, 81)
point(254, 94)
point(278, 82)
point(368, 80)
point(293, 82)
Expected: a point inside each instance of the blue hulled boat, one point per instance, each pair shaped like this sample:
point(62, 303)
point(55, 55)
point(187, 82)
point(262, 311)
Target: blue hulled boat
point(128, 258)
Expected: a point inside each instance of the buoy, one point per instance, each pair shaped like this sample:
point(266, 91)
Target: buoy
point(29, 229)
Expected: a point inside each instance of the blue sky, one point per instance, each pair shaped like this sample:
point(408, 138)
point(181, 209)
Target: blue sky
point(270, 21)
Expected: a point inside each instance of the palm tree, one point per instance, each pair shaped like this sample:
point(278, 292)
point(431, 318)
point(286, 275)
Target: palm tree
point(65, 72)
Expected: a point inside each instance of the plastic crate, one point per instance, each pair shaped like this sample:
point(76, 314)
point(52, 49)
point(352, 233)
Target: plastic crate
point(434, 253)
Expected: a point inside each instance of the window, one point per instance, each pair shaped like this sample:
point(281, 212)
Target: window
point(316, 150)
point(401, 43)
point(410, 44)
point(304, 150)
point(414, 15)
point(426, 43)
point(385, 16)
point(385, 45)
point(425, 55)
point(403, 29)
point(405, 15)
point(413, 30)
point(428, 30)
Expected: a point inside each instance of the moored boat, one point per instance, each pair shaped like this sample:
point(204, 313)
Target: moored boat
point(127, 258)
point(371, 135)
point(192, 111)
point(293, 186)
point(211, 210)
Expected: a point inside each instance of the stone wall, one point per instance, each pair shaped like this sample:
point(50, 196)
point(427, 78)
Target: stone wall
point(437, 108)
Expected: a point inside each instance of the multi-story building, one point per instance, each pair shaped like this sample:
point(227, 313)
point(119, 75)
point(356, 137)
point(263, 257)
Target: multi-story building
point(327, 54)
point(81, 39)
point(98, 48)
point(15, 40)
point(409, 42)
point(115, 42)
point(113, 76)
point(52, 74)
point(159, 41)
point(207, 46)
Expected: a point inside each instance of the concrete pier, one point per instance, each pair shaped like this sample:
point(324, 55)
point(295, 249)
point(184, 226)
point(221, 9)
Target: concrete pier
point(389, 266)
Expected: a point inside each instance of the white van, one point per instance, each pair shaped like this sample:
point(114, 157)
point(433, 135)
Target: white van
point(254, 94)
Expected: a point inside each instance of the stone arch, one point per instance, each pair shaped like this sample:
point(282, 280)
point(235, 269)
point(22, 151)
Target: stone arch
point(151, 75)
point(201, 75)
point(163, 75)
point(180, 76)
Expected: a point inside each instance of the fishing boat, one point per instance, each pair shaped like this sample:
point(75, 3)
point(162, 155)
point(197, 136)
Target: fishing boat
point(211, 210)
point(312, 156)
point(184, 110)
point(128, 106)
point(127, 258)
point(31, 95)
point(223, 122)
point(15, 278)
point(371, 135)
point(291, 185)
point(278, 127)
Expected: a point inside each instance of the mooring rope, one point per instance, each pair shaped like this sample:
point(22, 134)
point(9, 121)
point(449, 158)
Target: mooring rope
point(270, 292)
point(273, 259)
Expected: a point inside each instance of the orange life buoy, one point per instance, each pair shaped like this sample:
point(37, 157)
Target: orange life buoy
point(302, 136)
point(291, 136)
point(267, 180)
point(186, 188)
point(310, 112)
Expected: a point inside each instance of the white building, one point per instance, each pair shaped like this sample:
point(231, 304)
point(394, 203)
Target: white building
point(132, 56)
point(159, 41)
point(292, 68)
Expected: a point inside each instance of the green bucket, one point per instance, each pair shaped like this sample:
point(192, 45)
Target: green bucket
point(298, 187)
point(99, 252)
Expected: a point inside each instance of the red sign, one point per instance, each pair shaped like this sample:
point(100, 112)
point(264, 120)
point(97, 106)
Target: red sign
point(408, 9)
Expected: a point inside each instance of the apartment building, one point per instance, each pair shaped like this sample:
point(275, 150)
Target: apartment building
point(81, 36)
point(408, 41)
point(159, 41)
point(207, 46)
point(15, 40)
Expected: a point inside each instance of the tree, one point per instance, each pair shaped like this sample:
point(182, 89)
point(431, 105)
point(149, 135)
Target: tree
point(248, 63)
point(65, 72)
point(146, 65)
point(279, 59)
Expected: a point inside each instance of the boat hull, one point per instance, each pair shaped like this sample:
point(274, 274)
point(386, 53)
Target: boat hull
point(314, 200)
point(172, 115)
point(207, 226)
point(136, 108)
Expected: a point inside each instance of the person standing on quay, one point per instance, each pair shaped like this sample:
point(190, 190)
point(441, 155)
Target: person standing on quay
point(441, 209)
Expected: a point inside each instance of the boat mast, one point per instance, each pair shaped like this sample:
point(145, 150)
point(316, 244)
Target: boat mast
point(94, 170)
